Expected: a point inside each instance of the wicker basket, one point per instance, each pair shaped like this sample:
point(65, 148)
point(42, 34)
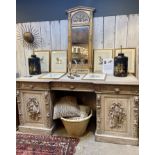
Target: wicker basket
point(76, 127)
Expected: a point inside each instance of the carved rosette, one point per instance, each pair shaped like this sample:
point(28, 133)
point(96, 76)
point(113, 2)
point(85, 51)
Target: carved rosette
point(116, 115)
point(98, 111)
point(136, 117)
point(33, 109)
point(19, 107)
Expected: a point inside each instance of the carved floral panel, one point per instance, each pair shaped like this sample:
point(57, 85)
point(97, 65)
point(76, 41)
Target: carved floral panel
point(117, 113)
point(33, 107)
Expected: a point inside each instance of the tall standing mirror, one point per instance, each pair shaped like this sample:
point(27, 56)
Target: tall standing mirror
point(80, 36)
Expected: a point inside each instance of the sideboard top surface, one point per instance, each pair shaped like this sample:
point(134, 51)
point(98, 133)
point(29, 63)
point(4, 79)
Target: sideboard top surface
point(129, 80)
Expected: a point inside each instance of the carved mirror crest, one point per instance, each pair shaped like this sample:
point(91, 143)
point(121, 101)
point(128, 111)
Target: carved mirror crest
point(80, 32)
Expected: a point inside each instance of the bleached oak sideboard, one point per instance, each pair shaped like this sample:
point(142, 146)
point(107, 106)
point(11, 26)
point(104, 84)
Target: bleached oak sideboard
point(117, 105)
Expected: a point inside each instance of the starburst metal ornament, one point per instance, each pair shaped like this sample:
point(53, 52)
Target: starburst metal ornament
point(29, 36)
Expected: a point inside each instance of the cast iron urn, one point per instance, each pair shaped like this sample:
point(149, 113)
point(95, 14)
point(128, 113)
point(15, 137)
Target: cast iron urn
point(120, 65)
point(34, 65)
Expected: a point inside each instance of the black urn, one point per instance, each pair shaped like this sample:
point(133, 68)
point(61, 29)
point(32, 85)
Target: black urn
point(121, 65)
point(34, 65)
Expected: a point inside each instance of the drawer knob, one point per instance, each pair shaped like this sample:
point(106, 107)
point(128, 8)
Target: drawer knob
point(72, 87)
point(31, 86)
point(98, 107)
point(117, 90)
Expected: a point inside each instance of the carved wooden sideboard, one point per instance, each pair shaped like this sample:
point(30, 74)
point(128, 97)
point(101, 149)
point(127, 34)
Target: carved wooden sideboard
point(117, 114)
point(116, 106)
point(35, 107)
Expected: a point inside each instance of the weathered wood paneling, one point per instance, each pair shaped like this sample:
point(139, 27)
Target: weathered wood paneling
point(20, 52)
point(55, 35)
point(133, 31)
point(98, 33)
point(37, 30)
point(121, 31)
point(133, 37)
point(109, 32)
point(45, 32)
point(64, 34)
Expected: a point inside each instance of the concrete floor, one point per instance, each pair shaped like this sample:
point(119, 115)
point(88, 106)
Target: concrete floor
point(88, 145)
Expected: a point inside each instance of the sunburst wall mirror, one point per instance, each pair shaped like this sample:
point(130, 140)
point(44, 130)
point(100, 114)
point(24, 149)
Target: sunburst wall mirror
point(29, 36)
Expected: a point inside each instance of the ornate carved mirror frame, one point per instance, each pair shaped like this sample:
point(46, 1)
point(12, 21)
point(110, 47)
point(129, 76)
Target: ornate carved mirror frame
point(80, 36)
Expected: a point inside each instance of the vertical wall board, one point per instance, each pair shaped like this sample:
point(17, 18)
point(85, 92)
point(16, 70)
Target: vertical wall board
point(18, 34)
point(121, 31)
point(64, 34)
point(45, 32)
point(55, 35)
point(36, 30)
point(133, 31)
point(109, 32)
point(28, 53)
point(98, 33)
point(20, 51)
point(133, 37)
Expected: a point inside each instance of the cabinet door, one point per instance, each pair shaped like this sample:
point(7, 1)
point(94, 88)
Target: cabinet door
point(35, 108)
point(115, 115)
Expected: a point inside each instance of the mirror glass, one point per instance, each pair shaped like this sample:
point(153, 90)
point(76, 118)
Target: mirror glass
point(80, 41)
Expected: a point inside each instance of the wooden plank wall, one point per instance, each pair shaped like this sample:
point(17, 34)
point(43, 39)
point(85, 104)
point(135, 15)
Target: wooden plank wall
point(109, 32)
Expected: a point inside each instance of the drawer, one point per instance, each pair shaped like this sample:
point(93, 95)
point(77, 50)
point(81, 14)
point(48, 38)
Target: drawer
point(118, 89)
point(72, 86)
point(34, 86)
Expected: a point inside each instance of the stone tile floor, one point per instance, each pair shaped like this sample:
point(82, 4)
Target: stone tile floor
point(88, 145)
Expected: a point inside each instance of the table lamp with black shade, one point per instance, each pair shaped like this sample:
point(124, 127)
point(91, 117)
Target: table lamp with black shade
point(121, 65)
point(34, 65)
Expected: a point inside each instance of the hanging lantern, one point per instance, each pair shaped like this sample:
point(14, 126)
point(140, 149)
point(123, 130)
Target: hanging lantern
point(34, 65)
point(120, 65)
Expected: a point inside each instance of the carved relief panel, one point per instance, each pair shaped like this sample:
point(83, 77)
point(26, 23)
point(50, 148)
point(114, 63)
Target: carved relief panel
point(136, 117)
point(35, 108)
point(115, 114)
